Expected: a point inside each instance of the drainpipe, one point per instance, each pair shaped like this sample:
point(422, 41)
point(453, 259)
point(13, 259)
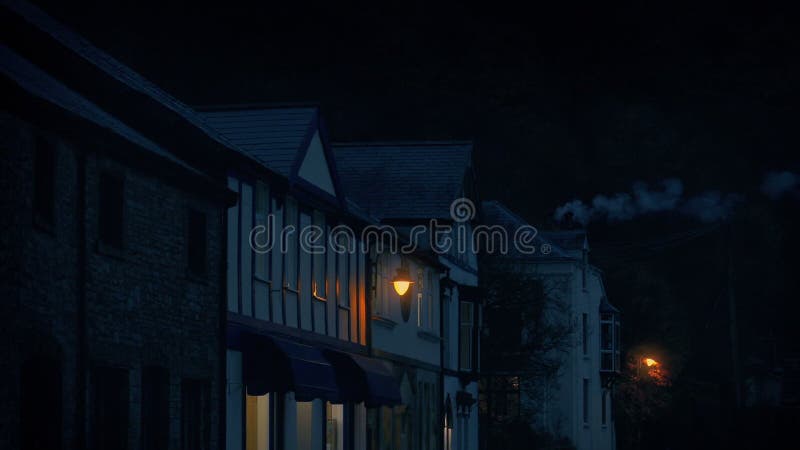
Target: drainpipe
point(223, 333)
point(83, 347)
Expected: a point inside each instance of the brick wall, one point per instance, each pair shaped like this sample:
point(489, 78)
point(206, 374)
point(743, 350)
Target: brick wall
point(143, 306)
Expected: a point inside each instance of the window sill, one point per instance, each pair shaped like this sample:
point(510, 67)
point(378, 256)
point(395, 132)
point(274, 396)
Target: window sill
point(384, 322)
point(428, 336)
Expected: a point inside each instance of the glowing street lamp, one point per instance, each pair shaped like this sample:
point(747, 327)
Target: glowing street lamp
point(402, 281)
point(650, 362)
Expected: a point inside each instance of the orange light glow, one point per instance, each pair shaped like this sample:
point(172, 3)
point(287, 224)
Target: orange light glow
point(401, 286)
point(650, 362)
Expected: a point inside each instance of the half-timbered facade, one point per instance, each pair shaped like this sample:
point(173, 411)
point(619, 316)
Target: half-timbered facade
point(299, 372)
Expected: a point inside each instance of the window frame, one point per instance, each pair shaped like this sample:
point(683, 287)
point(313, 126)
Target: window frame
point(45, 170)
point(198, 269)
point(108, 181)
point(466, 337)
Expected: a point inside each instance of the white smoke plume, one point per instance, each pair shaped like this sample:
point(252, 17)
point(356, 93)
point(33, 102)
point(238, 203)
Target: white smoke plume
point(667, 196)
point(776, 184)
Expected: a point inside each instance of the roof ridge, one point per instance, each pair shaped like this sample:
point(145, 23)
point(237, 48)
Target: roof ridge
point(254, 106)
point(408, 143)
point(112, 66)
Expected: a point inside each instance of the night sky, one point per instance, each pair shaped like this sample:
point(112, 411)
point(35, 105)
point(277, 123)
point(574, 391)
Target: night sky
point(563, 102)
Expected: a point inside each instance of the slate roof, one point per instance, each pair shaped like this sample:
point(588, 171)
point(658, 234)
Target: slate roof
point(39, 84)
point(111, 66)
point(411, 180)
point(496, 213)
point(273, 136)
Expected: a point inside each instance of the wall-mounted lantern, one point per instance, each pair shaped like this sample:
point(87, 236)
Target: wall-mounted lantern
point(402, 281)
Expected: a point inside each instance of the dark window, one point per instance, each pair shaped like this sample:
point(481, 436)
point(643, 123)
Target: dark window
point(603, 412)
point(585, 400)
point(155, 408)
point(111, 207)
point(585, 332)
point(195, 415)
point(109, 408)
point(40, 405)
point(44, 181)
point(466, 326)
point(197, 242)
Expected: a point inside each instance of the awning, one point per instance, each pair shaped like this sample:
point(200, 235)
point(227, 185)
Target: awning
point(363, 379)
point(271, 364)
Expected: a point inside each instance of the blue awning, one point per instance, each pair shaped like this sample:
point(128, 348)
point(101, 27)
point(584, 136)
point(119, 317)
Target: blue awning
point(363, 379)
point(271, 364)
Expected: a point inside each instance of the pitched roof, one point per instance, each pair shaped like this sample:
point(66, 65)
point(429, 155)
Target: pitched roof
point(39, 84)
point(273, 136)
point(496, 213)
point(112, 67)
point(413, 180)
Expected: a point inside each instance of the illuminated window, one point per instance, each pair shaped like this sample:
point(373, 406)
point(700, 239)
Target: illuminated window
point(257, 422)
point(334, 429)
point(304, 425)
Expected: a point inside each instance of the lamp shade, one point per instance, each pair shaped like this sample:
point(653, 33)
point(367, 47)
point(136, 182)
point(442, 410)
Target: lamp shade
point(402, 281)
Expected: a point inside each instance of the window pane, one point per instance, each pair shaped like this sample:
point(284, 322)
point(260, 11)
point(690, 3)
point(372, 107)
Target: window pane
point(320, 286)
point(585, 400)
point(343, 276)
point(110, 209)
point(603, 408)
point(465, 335)
point(40, 404)
point(257, 422)
point(585, 332)
point(44, 180)
point(109, 408)
point(305, 281)
point(262, 201)
point(304, 425)
point(290, 220)
point(246, 253)
point(386, 428)
point(155, 408)
point(232, 262)
point(605, 336)
point(195, 415)
point(196, 250)
point(334, 430)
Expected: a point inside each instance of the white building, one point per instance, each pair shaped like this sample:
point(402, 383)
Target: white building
point(577, 402)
